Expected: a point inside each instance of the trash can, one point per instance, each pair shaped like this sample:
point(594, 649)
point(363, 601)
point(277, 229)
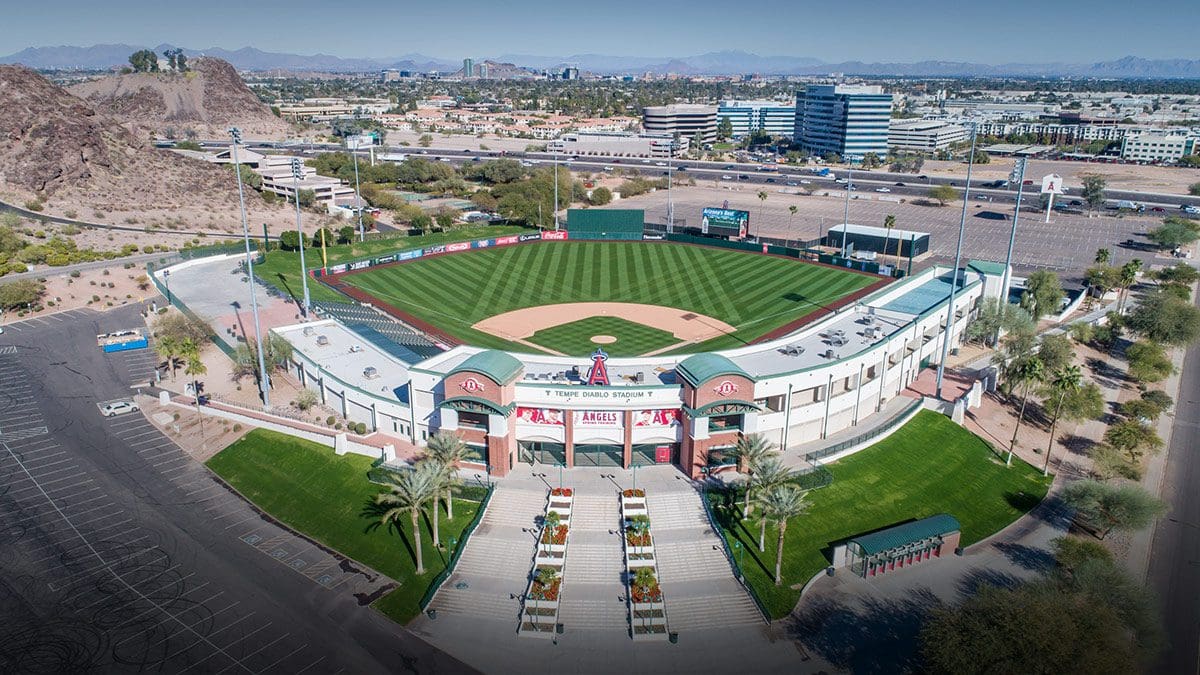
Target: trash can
point(673, 638)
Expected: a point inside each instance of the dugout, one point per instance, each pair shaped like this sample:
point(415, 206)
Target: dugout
point(611, 224)
point(868, 238)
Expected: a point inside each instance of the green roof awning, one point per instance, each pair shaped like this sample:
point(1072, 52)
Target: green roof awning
point(723, 407)
point(986, 267)
point(476, 404)
point(500, 367)
point(907, 533)
point(700, 368)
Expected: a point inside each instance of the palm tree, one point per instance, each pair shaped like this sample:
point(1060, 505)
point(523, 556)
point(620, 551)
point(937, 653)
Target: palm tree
point(644, 579)
point(889, 222)
point(449, 449)
point(167, 347)
point(1103, 256)
point(762, 196)
point(1026, 373)
point(407, 493)
point(768, 473)
point(780, 504)
point(195, 367)
point(792, 210)
point(1129, 272)
point(1066, 380)
point(751, 449)
point(441, 473)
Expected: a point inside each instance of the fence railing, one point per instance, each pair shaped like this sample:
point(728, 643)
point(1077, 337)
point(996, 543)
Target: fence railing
point(440, 579)
point(866, 435)
point(733, 563)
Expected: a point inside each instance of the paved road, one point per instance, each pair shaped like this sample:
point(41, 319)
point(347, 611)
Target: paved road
point(1174, 572)
point(138, 260)
point(120, 553)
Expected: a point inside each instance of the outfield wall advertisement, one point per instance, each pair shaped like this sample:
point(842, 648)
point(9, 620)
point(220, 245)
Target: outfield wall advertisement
point(724, 222)
point(437, 249)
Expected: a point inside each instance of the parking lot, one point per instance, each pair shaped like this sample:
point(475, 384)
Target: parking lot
point(1067, 244)
point(122, 553)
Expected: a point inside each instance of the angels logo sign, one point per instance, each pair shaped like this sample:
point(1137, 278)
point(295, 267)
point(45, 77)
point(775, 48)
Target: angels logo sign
point(598, 373)
point(471, 385)
point(726, 388)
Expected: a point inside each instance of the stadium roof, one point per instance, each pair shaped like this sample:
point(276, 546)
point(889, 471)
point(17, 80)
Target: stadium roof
point(902, 535)
point(700, 368)
point(502, 368)
point(986, 267)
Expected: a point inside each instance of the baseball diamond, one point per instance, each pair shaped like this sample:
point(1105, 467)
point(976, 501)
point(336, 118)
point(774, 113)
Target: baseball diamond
point(752, 293)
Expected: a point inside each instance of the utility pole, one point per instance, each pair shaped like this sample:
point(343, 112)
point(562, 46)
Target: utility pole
point(264, 383)
point(297, 174)
point(962, 226)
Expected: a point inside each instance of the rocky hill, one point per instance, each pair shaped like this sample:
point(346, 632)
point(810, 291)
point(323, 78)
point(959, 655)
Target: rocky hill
point(208, 99)
point(57, 150)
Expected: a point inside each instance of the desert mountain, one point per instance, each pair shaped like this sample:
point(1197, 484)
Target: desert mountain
point(56, 148)
point(208, 99)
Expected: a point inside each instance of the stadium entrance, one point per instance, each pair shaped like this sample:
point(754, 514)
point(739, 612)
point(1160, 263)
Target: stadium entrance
point(599, 454)
point(541, 452)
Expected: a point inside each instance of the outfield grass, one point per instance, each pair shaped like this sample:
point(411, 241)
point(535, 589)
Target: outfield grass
point(929, 466)
point(322, 495)
point(282, 268)
point(575, 338)
point(752, 292)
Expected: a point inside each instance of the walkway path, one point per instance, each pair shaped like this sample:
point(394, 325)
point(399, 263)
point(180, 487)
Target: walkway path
point(594, 590)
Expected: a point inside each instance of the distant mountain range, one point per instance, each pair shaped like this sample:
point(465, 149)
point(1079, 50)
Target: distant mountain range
point(99, 57)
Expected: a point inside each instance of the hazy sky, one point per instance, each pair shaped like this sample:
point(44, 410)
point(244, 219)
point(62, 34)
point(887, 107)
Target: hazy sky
point(831, 30)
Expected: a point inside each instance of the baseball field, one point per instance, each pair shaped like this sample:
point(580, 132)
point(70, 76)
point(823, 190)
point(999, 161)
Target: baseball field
point(681, 298)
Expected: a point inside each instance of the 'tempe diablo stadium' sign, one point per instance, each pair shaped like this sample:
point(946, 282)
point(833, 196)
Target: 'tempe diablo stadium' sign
point(724, 222)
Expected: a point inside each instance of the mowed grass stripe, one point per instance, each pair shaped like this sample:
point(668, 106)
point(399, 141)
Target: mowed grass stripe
point(743, 289)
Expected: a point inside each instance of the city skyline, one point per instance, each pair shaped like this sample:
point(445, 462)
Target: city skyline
point(1025, 32)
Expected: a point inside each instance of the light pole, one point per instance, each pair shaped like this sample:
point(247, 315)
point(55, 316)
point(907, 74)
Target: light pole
point(297, 174)
point(357, 195)
point(556, 189)
point(962, 226)
point(1018, 175)
point(846, 216)
point(264, 383)
point(167, 281)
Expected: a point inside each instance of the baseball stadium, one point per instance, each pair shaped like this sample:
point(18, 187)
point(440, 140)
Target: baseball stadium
point(600, 345)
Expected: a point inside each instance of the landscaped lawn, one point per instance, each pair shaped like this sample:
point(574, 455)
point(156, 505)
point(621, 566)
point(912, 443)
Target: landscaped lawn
point(282, 268)
point(322, 495)
point(929, 466)
point(575, 338)
point(754, 293)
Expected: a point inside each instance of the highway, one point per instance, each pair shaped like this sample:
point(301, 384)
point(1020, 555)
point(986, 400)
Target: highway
point(914, 185)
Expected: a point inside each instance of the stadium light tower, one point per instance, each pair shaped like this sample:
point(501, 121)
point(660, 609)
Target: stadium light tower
point(1018, 175)
point(555, 188)
point(297, 174)
point(264, 383)
point(962, 226)
point(357, 195)
point(846, 216)
point(670, 183)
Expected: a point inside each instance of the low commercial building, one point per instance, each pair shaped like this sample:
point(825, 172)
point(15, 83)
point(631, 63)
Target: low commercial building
point(618, 145)
point(1159, 147)
point(925, 136)
point(745, 117)
point(690, 121)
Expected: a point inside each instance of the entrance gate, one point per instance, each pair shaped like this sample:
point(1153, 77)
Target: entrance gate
point(596, 454)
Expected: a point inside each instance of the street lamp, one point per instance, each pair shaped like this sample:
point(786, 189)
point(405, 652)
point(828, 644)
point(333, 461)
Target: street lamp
point(167, 281)
point(297, 174)
point(264, 383)
point(962, 226)
point(739, 549)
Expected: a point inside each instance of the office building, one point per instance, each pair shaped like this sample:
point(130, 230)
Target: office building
point(745, 117)
point(846, 120)
point(690, 121)
point(926, 136)
point(1159, 146)
point(483, 70)
point(617, 145)
point(570, 74)
point(468, 68)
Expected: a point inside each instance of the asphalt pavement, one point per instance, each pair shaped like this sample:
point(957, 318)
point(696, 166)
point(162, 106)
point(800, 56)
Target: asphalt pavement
point(1174, 572)
point(121, 553)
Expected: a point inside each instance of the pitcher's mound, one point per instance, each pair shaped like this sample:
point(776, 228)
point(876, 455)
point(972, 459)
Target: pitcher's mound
point(603, 339)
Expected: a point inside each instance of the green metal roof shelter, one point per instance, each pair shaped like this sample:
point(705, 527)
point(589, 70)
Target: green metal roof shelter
point(908, 533)
point(498, 366)
point(699, 368)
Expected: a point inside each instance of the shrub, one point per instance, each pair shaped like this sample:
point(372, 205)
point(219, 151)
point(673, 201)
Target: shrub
point(330, 420)
point(34, 205)
point(306, 399)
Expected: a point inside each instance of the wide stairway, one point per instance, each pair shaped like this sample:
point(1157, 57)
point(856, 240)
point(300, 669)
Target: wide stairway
point(493, 571)
point(593, 588)
point(698, 584)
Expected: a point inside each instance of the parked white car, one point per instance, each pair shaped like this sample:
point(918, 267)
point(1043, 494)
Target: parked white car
point(118, 408)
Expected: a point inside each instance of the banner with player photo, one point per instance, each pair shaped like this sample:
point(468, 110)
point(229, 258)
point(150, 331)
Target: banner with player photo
point(660, 417)
point(545, 416)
